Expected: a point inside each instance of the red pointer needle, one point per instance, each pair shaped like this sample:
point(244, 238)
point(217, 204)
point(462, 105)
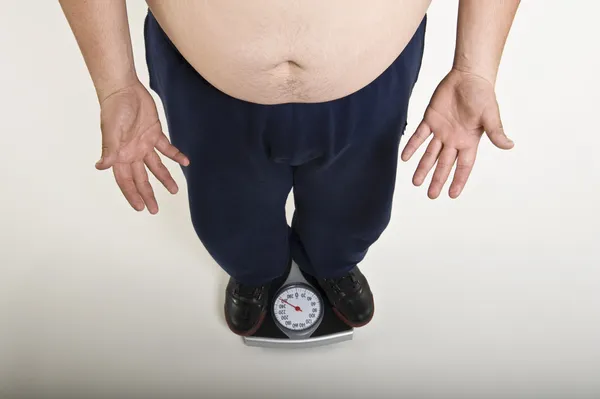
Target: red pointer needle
point(296, 308)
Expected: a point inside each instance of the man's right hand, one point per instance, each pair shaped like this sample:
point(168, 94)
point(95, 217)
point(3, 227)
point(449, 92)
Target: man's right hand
point(131, 136)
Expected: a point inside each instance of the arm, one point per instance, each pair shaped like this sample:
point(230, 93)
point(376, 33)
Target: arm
point(101, 29)
point(464, 105)
point(132, 135)
point(483, 27)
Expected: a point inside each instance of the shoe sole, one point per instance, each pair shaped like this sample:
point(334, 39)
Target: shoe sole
point(253, 330)
point(351, 324)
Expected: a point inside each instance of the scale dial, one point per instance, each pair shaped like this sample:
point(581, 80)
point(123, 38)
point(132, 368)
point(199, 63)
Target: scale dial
point(297, 307)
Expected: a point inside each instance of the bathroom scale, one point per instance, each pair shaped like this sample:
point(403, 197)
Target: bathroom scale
point(299, 316)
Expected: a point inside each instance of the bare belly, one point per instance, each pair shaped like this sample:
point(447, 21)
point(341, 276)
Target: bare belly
point(273, 51)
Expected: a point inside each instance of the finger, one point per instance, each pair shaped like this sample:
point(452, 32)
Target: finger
point(423, 131)
point(442, 171)
point(109, 153)
point(167, 149)
point(159, 170)
point(427, 161)
point(110, 148)
point(464, 166)
point(124, 178)
point(140, 177)
point(492, 124)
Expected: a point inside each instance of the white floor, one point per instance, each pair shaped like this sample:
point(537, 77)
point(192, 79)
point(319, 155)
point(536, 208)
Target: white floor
point(495, 295)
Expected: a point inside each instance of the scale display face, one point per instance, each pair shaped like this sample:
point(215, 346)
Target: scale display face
point(297, 308)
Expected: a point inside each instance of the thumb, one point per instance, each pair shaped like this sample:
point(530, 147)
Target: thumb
point(492, 124)
point(110, 149)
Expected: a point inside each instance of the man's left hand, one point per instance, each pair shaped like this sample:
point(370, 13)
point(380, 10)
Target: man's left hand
point(462, 108)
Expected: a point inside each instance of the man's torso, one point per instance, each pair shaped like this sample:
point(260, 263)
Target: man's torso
point(271, 51)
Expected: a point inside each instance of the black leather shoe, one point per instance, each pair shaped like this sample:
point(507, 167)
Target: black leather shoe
point(351, 297)
point(245, 307)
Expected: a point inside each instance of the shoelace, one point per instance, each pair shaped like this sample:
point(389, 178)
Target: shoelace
point(348, 282)
point(248, 291)
point(244, 291)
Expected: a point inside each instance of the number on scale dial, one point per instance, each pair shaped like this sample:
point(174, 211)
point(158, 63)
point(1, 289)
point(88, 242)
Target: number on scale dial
point(297, 308)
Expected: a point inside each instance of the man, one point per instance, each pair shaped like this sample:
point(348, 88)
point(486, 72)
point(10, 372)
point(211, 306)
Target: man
point(266, 96)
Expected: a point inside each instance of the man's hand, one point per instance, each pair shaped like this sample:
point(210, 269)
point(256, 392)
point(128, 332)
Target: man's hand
point(131, 134)
point(131, 130)
point(463, 107)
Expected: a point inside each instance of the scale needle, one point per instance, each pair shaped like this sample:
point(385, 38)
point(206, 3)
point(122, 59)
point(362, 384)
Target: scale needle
point(297, 308)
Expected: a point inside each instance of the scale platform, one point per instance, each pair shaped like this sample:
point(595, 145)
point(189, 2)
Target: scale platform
point(330, 330)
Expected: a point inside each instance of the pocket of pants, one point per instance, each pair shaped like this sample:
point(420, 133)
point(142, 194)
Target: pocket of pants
point(147, 45)
point(422, 48)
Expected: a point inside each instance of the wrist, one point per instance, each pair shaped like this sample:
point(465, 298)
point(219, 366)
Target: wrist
point(106, 87)
point(465, 65)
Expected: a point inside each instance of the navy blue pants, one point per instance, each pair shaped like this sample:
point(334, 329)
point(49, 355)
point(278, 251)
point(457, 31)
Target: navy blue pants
point(339, 157)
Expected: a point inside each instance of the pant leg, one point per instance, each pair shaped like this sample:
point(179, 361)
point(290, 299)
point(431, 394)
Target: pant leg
point(344, 200)
point(237, 193)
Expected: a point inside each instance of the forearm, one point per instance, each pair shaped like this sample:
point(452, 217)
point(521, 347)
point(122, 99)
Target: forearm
point(483, 27)
point(101, 29)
